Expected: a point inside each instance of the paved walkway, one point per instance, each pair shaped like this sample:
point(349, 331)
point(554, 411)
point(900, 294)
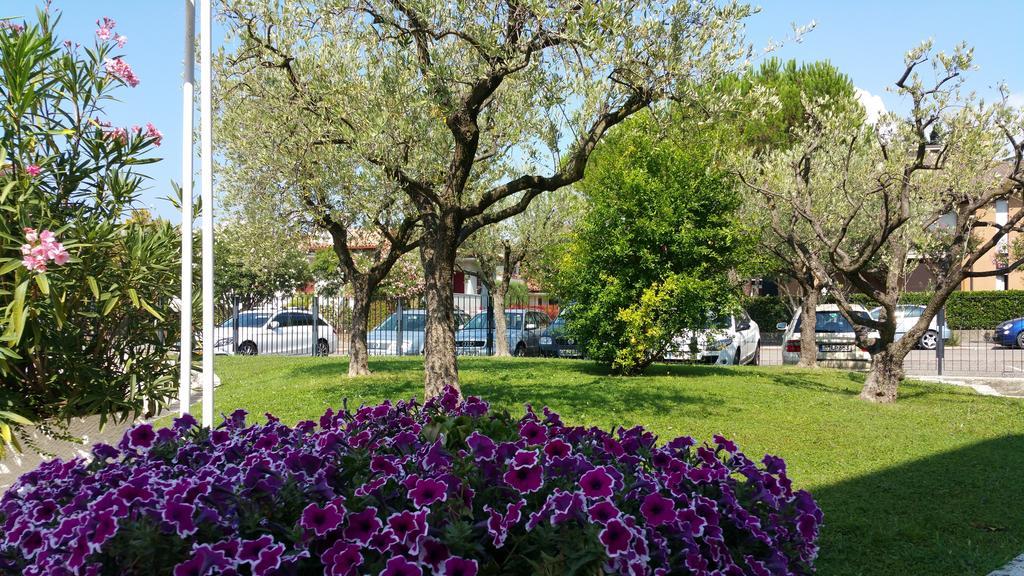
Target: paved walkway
point(88, 429)
point(1014, 568)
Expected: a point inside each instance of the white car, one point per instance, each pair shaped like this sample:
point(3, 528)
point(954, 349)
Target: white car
point(728, 339)
point(834, 336)
point(906, 317)
point(287, 331)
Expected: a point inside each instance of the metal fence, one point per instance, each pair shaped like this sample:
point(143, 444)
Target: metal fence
point(308, 325)
point(317, 325)
point(950, 350)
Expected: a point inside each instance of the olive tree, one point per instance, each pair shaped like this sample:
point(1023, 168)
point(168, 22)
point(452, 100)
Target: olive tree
point(474, 108)
point(281, 172)
point(867, 202)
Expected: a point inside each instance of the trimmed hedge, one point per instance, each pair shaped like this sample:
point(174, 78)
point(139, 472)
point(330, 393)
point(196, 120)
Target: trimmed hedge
point(964, 310)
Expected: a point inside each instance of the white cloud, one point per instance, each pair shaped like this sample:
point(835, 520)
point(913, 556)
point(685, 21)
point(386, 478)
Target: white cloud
point(872, 103)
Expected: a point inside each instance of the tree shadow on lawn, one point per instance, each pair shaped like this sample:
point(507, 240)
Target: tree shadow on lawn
point(512, 383)
point(955, 513)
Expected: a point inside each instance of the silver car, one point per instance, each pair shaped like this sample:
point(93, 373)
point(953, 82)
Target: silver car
point(383, 339)
point(833, 336)
point(906, 317)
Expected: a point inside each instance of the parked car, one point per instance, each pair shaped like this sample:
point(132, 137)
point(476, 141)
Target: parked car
point(524, 330)
point(1009, 333)
point(906, 317)
point(727, 339)
point(287, 331)
point(382, 340)
point(555, 343)
point(834, 336)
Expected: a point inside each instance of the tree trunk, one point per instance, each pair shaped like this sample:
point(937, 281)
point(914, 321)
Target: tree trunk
point(808, 324)
point(500, 321)
point(884, 378)
point(358, 358)
point(437, 253)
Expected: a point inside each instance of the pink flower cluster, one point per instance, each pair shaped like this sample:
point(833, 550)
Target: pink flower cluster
point(120, 69)
point(40, 248)
point(106, 32)
point(33, 170)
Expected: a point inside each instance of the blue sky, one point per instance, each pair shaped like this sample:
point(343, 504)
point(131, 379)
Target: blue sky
point(864, 39)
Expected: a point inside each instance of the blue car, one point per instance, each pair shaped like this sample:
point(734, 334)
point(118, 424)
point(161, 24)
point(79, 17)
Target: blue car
point(1010, 333)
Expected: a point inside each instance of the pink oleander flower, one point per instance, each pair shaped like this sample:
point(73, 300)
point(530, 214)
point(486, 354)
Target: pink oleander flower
point(32, 170)
point(41, 248)
point(118, 134)
point(121, 40)
point(120, 69)
point(153, 133)
point(106, 27)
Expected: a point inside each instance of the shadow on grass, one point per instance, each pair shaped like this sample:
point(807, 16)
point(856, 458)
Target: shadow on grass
point(955, 513)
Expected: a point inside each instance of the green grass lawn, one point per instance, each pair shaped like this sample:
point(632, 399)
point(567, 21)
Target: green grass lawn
point(931, 485)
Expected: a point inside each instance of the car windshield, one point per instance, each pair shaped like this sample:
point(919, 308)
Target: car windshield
point(479, 322)
point(411, 323)
point(721, 322)
point(247, 320)
point(831, 322)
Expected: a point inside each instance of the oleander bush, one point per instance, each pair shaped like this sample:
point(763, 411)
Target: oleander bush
point(448, 487)
point(86, 281)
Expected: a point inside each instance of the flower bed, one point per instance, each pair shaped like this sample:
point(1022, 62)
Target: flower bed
point(400, 489)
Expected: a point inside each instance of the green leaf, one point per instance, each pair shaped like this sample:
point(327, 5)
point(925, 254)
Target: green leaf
point(91, 281)
point(134, 296)
point(43, 283)
point(12, 264)
point(16, 418)
point(110, 305)
point(151, 310)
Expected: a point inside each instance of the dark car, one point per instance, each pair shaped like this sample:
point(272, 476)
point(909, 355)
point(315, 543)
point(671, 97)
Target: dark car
point(1010, 333)
point(555, 343)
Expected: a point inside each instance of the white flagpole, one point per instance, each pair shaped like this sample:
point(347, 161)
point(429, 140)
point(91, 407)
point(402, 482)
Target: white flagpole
point(206, 162)
point(185, 383)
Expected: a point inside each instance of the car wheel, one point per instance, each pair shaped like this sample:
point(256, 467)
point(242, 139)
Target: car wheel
point(1020, 339)
point(323, 348)
point(739, 356)
point(520, 350)
point(756, 360)
point(929, 340)
point(247, 349)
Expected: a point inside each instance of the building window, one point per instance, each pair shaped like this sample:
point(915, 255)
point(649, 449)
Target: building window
point(1003, 282)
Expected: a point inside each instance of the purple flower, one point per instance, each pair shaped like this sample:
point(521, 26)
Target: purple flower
point(524, 459)
point(179, 515)
point(103, 530)
point(597, 483)
point(480, 446)
point(433, 552)
point(533, 433)
point(616, 537)
point(557, 449)
point(603, 511)
point(321, 520)
point(456, 566)
point(400, 566)
point(727, 445)
point(363, 525)
point(141, 436)
point(525, 480)
point(658, 510)
point(342, 559)
point(409, 528)
point(427, 492)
